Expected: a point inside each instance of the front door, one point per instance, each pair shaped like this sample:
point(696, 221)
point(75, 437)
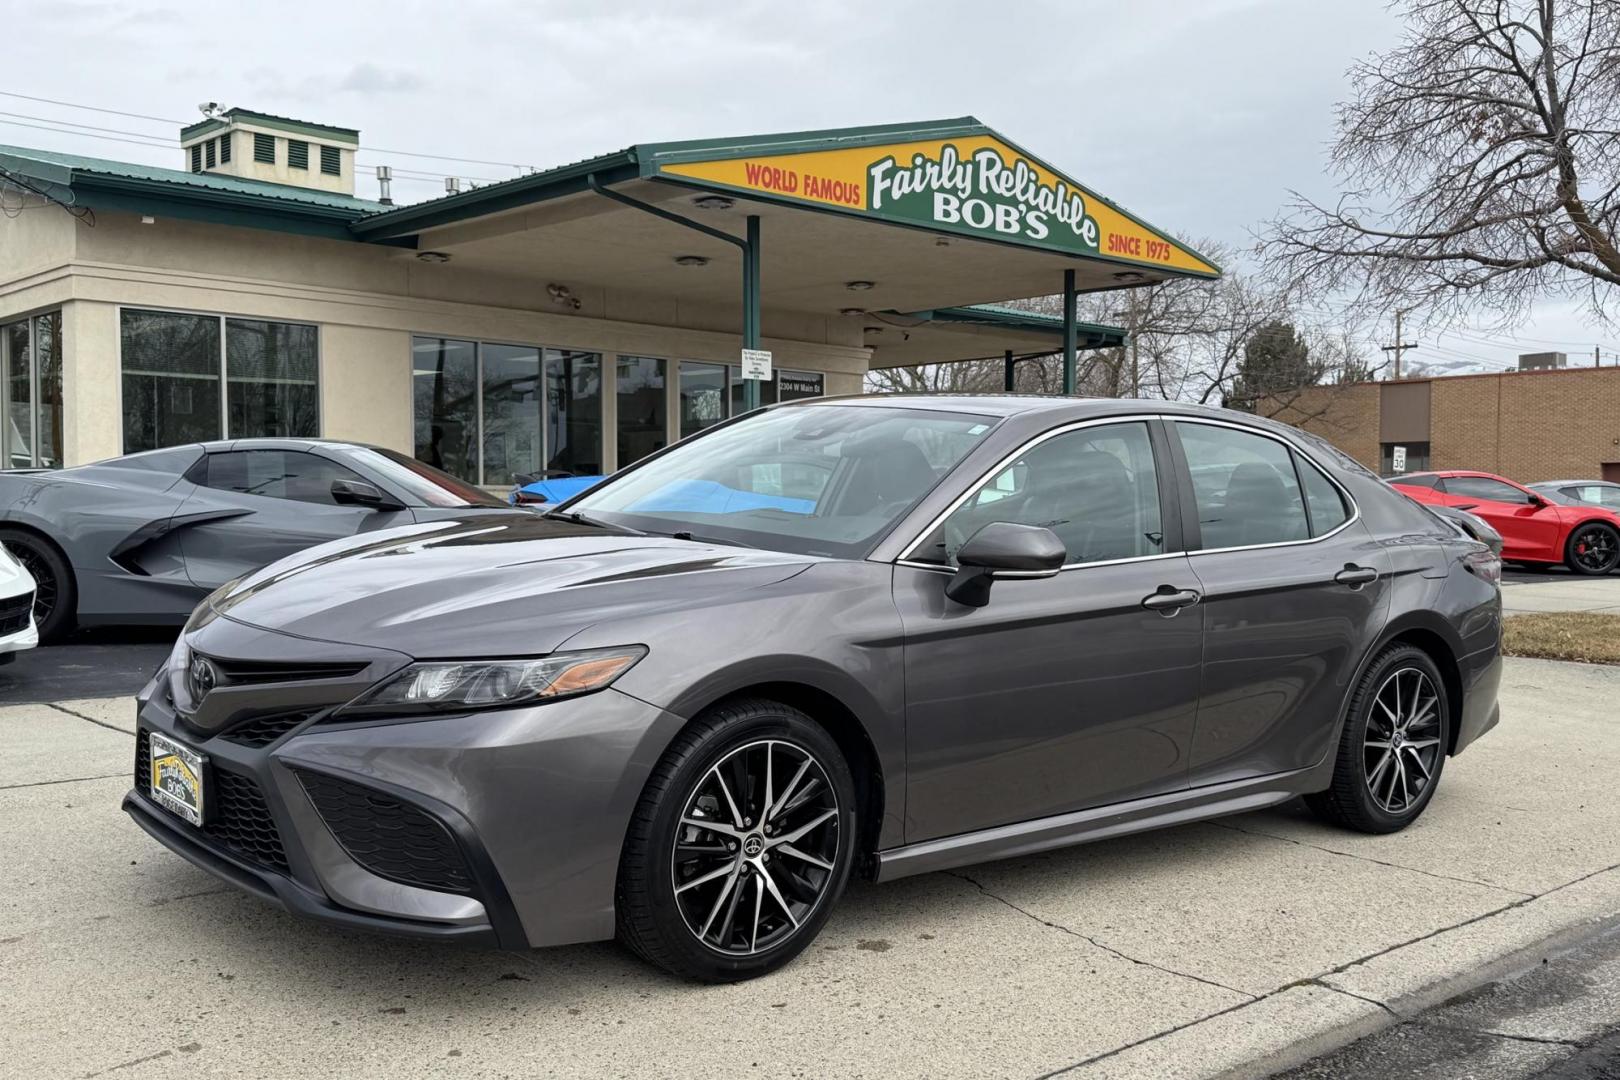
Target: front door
point(282, 503)
point(1295, 593)
point(1062, 693)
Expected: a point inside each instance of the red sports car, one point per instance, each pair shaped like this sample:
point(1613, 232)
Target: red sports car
point(1534, 530)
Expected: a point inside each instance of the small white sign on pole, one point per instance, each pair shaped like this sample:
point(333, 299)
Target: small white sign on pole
point(1397, 459)
point(756, 364)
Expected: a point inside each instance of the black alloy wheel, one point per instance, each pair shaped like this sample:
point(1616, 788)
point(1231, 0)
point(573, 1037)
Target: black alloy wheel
point(1594, 548)
point(1393, 747)
point(742, 843)
point(54, 598)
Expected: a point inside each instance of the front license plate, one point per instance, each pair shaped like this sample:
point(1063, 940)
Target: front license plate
point(176, 782)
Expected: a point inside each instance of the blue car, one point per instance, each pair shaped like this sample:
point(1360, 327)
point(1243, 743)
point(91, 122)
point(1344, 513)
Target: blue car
point(547, 492)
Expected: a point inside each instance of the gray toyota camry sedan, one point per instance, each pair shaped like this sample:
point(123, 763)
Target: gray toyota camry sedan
point(876, 636)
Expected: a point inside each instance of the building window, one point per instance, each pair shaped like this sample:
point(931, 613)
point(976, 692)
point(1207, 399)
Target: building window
point(31, 393)
point(703, 396)
point(643, 401)
point(1414, 458)
point(212, 147)
point(197, 158)
point(297, 154)
point(264, 149)
point(191, 378)
point(272, 385)
point(225, 149)
point(490, 413)
point(331, 161)
point(511, 409)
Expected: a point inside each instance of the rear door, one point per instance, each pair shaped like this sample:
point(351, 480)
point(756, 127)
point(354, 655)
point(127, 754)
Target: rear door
point(1295, 591)
point(1528, 531)
point(1066, 692)
point(279, 501)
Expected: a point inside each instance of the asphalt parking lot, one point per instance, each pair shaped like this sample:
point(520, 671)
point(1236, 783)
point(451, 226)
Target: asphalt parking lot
point(1241, 944)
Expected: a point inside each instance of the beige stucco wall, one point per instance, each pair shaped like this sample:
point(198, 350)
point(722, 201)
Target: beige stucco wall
point(368, 301)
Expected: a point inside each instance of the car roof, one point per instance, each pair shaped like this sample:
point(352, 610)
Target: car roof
point(270, 443)
point(1582, 483)
point(1005, 405)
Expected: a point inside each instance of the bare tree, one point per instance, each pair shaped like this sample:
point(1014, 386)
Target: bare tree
point(1480, 163)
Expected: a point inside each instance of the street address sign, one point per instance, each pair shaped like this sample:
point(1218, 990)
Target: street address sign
point(756, 364)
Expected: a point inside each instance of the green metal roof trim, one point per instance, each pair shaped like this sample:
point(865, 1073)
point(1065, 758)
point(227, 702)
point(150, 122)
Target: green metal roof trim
point(1100, 335)
point(653, 155)
point(121, 185)
point(280, 123)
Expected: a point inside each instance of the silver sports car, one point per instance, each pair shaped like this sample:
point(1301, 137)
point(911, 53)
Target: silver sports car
point(140, 539)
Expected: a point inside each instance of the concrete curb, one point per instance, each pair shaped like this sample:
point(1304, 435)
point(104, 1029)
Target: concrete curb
point(1301, 1021)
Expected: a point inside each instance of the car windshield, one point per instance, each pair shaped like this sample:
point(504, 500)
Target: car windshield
point(816, 480)
point(430, 486)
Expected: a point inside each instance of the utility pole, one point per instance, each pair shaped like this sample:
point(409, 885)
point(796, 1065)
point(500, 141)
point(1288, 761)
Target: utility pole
point(1400, 346)
point(1597, 356)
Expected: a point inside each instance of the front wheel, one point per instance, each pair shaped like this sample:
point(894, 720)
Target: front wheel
point(741, 844)
point(1393, 748)
point(1593, 548)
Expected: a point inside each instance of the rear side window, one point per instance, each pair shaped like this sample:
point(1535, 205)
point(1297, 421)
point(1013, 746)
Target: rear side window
point(276, 474)
point(1245, 487)
point(1326, 502)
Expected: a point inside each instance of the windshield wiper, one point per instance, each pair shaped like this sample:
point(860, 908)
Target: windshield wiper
point(685, 534)
point(578, 518)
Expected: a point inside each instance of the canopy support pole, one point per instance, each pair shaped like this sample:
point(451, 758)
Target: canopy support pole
point(750, 268)
point(1071, 339)
point(1007, 379)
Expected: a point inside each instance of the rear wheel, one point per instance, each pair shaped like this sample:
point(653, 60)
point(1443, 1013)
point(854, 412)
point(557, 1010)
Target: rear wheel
point(1593, 548)
point(741, 844)
point(1393, 748)
point(55, 597)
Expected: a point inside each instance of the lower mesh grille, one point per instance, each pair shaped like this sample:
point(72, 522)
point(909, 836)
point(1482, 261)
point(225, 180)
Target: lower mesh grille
point(15, 612)
point(265, 729)
point(390, 838)
point(236, 816)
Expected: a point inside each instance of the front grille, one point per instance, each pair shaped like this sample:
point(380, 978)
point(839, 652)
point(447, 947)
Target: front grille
point(248, 672)
point(388, 837)
point(15, 612)
point(236, 817)
point(264, 730)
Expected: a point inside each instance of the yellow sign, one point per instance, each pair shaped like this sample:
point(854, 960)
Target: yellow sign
point(978, 185)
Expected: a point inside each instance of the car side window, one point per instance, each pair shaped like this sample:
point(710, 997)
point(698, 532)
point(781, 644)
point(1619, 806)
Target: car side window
point(276, 474)
point(1096, 487)
point(1595, 493)
point(1245, 487)
point(1325, 500)
point(1483, 487)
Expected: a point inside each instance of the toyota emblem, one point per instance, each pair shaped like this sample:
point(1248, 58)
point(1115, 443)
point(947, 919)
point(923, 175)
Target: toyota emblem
point(202, 678)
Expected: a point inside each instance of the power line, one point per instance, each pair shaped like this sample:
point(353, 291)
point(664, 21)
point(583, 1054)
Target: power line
point(182, 123)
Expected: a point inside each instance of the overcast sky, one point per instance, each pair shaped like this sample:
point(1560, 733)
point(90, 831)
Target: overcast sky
point(1199, 115)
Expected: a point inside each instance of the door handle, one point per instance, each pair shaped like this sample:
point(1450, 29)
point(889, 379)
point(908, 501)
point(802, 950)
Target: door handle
point(1356, 576)
point(1168, 601)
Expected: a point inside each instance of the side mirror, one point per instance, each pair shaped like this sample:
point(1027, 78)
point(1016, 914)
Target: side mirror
point(1003, 550)
point(1537, 501)
point(362, 493)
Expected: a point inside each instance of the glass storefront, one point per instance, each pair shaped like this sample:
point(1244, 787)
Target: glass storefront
point(31, 392)
point(703, 396)
point(574, 412)
point(643, 408)
point(176, 366)
point(511, 385)
point(444, 394)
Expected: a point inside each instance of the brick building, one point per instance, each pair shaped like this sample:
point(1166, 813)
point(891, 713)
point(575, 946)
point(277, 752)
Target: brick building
point(1532, 425)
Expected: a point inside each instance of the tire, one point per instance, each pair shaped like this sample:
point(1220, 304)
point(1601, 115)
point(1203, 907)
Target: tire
point(1367, 793)
point(56, 596)
point(762, 900)
point(1593, 549)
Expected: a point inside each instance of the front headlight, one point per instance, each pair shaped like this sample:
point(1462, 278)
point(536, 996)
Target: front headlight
point(454, 686)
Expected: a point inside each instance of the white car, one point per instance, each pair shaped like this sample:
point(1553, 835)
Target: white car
point(17, 631)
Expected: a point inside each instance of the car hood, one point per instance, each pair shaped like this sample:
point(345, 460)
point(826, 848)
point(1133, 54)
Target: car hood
point(506, 585)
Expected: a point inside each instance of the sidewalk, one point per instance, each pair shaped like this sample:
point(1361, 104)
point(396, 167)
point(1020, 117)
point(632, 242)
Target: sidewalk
point(1225, 948)
point(1564, 592)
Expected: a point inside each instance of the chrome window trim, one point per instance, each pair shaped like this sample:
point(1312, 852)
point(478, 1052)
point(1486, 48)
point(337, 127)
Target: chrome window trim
point(1023, 448)
point(1355, 507)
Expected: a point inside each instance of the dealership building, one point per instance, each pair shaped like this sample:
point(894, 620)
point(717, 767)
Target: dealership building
point(574, 319)
point(1537, 423)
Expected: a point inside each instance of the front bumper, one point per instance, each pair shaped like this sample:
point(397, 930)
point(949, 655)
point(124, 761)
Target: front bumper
point(501, 828)
point(17, 628)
